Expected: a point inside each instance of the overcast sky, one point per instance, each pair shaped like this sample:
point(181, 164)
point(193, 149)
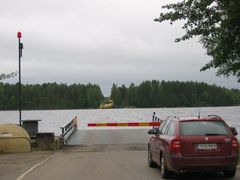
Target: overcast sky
point(102, 42)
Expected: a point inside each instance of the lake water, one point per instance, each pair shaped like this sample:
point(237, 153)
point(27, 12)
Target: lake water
point(52, 120)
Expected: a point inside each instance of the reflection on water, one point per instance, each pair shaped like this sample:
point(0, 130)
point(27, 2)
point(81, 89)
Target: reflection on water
point(52, 120)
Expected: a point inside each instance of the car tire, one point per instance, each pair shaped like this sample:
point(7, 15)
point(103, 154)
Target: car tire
point(151, 163)
point(165, 173)
point(229, 173)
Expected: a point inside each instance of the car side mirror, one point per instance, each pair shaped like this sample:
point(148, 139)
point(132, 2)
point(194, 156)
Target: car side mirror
point(153, 131)
point(234, 131)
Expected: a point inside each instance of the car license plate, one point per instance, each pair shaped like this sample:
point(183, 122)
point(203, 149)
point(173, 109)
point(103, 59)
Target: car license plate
point(206, 146)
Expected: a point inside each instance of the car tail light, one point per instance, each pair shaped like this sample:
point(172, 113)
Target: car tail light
point(175, 145)
point(234, 145)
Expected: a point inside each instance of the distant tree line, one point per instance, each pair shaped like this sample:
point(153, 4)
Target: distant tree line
point(147, 94)
point(173, 94)
point(50, 96)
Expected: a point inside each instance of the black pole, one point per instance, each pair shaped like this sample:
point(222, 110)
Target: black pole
point(19, 84)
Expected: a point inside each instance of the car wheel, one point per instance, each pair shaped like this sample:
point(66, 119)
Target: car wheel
point(165, 173)
point(230, 173)
point(151, 163)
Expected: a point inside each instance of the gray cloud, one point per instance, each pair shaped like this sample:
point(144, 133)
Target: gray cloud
point(99, 42)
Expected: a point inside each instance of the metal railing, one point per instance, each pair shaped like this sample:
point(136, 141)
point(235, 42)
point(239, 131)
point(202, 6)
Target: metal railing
point(156, 119)
point(68, 130)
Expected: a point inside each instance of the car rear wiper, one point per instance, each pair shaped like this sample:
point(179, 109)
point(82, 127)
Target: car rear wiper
point(213, 134)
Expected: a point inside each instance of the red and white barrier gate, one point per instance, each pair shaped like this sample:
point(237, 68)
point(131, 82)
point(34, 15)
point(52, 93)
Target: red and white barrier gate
point(124, 124)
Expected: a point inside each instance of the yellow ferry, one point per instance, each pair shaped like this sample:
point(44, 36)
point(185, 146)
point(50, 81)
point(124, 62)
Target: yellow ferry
point(106, 104)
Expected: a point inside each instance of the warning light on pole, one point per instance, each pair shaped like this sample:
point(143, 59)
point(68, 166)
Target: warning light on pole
point(19, 35)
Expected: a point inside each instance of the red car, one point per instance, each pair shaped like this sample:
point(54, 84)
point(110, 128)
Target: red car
point(183, 144)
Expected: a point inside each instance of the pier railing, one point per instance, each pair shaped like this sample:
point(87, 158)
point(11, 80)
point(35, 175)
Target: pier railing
point(69, 129)
point(156, 119)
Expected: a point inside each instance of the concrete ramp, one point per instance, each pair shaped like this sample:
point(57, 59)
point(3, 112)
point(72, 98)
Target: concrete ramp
point(110, 136)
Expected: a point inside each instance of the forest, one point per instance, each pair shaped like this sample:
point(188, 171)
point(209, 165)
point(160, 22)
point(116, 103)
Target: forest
point(145, 95)
point(173, 94)
point(50, 96)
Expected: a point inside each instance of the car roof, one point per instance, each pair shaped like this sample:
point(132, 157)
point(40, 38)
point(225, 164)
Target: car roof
point(193, 118)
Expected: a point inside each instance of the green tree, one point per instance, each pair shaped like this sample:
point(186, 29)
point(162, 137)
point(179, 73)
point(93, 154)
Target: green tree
point(123, 91)
point(2, 96)
point(144, 94)
point(94, 96)
point(155, 93)
point(116, 96)
point(217, 22)
point(131, 95)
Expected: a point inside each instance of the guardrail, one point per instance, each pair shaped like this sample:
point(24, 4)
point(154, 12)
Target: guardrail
point(68, 130)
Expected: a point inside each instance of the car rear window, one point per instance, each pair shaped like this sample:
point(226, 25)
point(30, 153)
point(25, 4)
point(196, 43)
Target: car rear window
point(203, 128)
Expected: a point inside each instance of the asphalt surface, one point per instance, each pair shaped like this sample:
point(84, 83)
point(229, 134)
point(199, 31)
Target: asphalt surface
point(92, 155)
point(12, 165)
point(110, 136)
point(105, 162)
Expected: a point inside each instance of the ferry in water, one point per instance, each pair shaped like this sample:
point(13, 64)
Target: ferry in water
point(107, 104)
